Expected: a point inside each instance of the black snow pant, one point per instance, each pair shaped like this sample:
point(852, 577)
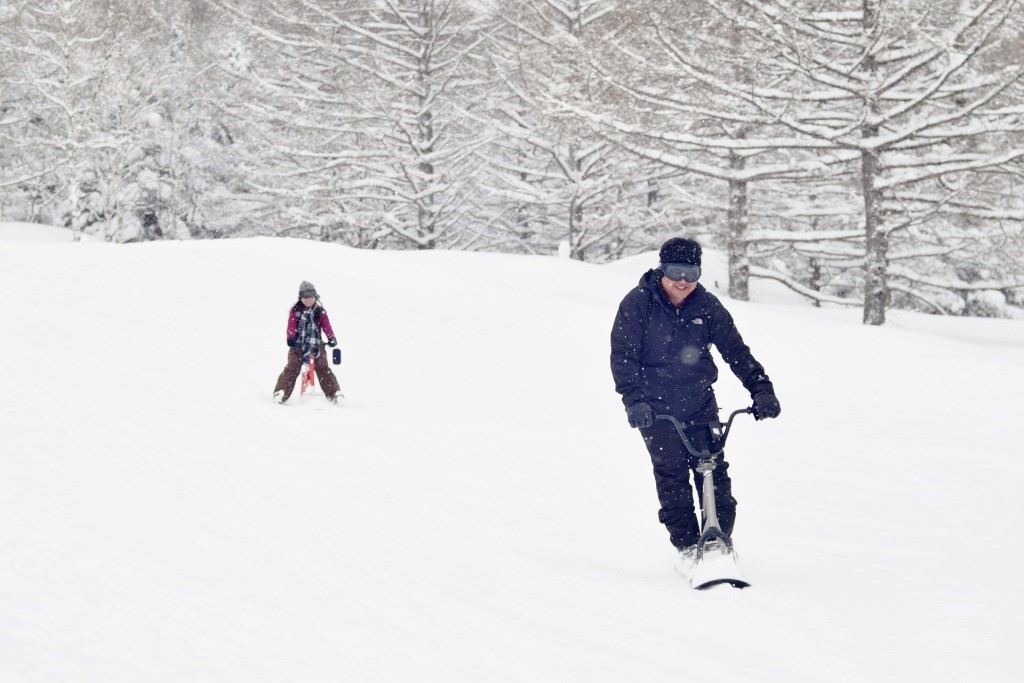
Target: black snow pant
point(672, 467)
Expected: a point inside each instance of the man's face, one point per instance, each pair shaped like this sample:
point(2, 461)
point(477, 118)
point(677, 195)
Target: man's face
point(679, 280)
point(677, 290)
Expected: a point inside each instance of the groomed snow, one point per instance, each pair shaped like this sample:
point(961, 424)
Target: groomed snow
point(479, 511)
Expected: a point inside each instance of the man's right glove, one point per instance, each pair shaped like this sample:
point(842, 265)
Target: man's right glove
point(640, 415)
point(291, 341)
point(766, 405)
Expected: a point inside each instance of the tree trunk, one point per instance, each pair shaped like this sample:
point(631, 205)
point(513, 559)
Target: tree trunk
point(876, 242)
point(74, 199)
point(876, 245)
point(575, 206)
point(738, 220)
point(575, 229)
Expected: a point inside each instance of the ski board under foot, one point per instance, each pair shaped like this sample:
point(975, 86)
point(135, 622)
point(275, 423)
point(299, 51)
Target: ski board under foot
point(715, 569)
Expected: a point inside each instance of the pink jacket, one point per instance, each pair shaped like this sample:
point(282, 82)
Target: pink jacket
point(320, 317)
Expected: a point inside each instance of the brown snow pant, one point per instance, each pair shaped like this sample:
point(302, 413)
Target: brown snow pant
point(286, 380)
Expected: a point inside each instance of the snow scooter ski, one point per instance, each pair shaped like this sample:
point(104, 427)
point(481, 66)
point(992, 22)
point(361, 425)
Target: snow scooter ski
point(715, 561)
point(307, 373)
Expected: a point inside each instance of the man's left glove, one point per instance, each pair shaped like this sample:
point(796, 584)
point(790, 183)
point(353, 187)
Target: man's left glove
point(640, 415)
point(766, 405)
point(331, 341)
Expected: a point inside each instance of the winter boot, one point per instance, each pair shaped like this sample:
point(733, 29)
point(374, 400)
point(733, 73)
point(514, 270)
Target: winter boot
point(687, 561)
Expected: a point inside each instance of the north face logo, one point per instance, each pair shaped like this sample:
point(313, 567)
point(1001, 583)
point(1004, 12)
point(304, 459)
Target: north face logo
point(697, 321)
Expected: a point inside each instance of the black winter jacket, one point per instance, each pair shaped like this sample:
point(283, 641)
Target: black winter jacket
point(661, 354)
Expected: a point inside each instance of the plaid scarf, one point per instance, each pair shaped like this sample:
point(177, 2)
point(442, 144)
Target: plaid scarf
point(308, 337)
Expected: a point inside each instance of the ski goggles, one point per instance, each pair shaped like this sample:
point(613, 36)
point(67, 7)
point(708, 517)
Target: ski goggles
point(681, 271)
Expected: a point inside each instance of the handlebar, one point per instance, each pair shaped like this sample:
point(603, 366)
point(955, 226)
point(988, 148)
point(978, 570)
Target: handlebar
point(719, 432)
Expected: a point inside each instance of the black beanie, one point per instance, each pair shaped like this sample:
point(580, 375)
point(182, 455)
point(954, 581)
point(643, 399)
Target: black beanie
point(306, 289)
point(680, 250)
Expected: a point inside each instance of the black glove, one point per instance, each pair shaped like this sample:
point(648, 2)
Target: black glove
point(766, 405)
point(640, 415)
point(291, 341)
point(331, 341)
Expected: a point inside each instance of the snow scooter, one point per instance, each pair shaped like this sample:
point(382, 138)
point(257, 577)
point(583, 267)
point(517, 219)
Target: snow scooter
point(715, 561)
point(308, 372)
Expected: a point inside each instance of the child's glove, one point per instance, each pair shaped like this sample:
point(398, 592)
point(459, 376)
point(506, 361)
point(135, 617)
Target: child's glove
point(291, 341)
point(331, 341)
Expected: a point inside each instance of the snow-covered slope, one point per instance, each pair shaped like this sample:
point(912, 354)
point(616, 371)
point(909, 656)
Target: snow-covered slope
point(479, 511)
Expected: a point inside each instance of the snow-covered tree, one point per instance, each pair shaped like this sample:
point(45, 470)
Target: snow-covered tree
point(908, 98)
point(918, 94)
point(560, 180)
point(865, 152)
point(110, 132)
point(359, 104)
point(419, 55)
point(20, 173)
point(183, 164)
point(681, 74)
point(294, 98)
point(61, 60)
